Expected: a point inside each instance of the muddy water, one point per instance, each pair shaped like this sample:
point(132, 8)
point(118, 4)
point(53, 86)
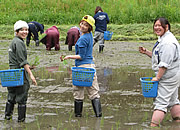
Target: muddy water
point(50, 104)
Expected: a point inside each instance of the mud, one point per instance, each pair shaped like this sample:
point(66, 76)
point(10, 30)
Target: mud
point(51, 104)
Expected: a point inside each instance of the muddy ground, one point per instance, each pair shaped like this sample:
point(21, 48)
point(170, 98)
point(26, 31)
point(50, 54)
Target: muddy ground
point(50, 103)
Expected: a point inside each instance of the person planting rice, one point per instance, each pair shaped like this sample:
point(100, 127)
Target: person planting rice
point(51, 39)
point(166, 65)
point(18, 59)
point(101, 21)
point(84, 58)
point(73, 35)
point(34, 28)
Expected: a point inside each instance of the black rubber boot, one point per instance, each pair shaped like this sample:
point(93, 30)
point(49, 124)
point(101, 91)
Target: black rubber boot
point(21, 112)
point(37, 42)
point(78, 106)
point(101, 49)
point(97, 107)
point(9, 110)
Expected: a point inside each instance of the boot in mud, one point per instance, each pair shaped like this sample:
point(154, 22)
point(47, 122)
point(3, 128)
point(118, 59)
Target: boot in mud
point(101, 49)
point(78, 106)
point(97, 107)
point(9, 110)
point(37, 42)
point(21, 112)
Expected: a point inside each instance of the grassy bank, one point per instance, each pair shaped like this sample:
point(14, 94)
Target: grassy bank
point(71, 11)
point(124, 32)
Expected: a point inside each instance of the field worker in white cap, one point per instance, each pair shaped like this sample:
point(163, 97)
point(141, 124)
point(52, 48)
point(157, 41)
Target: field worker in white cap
point(84, 58)
point(18, 59)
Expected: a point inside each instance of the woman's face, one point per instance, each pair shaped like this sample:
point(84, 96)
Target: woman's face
point(23, 32)
point(158, 29)
point(84, 26)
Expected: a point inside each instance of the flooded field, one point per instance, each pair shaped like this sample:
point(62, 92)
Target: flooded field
point(51, 105)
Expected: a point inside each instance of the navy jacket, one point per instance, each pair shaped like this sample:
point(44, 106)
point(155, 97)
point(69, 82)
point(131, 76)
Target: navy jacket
point(101, 21)
point(34, 28)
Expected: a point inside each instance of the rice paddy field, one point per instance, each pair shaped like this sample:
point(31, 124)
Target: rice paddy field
point(50, 104)
point(119, 68)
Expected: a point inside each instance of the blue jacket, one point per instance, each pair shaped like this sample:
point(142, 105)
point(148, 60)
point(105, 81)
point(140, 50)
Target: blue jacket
point(84, 48)
point(101, 21)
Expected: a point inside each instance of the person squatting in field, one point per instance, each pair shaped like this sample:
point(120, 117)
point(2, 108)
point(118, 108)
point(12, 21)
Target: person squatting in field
point(166, 65)
point(101, 21)
point(84, 58)
point(18, 59)
point(34, 28)
point(51, 39)
point(73, 35)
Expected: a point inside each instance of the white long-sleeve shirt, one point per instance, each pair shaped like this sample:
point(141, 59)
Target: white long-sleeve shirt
point(166, 54)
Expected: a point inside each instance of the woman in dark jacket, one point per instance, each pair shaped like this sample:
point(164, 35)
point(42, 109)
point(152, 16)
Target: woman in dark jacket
point(18, 59)
point(101, 21)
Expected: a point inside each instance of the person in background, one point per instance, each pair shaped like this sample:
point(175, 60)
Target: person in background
point(84, 58)
point(18, 59)
point(73, 35)
point(51, 39)
point(101, 21)
point(166, 65)
point(34, 28)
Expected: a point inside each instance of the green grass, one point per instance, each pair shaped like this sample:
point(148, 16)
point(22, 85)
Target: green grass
point(71, 11)
point(123, 32)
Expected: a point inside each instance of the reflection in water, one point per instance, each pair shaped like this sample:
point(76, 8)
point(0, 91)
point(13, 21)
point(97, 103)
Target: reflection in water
point(107, 71)
point(51, 104)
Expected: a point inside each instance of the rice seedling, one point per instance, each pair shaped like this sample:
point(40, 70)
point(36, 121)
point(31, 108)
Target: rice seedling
point(37, 123)
point(145, 117)
point(42, 110)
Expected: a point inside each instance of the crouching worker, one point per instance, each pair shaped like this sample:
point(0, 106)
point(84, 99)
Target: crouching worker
point(84, 58)
point(34, 28)
point(73, 35)
point(18, 59)
point(51, 39)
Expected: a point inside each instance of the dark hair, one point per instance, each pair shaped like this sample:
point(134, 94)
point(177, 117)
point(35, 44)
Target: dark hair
point(98, 8)
point(18, 30)
point(90, 28)
point(163, 22)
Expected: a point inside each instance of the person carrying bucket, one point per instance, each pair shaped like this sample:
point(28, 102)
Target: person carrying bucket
point(18, 59)
point(101, 21)
point(84, 58)
point(166, 65)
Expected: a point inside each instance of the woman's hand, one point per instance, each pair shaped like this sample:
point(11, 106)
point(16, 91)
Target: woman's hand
point(27, 68)
point(142, 50)
point(33, 79)
point(155, 79)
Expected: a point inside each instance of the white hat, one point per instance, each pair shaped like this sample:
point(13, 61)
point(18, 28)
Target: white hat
point(20, 24)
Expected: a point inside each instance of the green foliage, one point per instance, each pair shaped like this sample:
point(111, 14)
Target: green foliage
point(123, 32)
point(71, 11)
point(36, 61)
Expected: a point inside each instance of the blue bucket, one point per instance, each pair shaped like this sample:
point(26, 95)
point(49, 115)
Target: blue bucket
point(12, 77)
point(82, 76)
point(108, 35)
point(149, 88)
